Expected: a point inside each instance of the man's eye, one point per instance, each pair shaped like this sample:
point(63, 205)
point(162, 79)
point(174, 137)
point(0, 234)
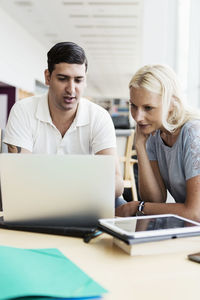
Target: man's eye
point(78, 80)
point(61, 78)
point(147, 108)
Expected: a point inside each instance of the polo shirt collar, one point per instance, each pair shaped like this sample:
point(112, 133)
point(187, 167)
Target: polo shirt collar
point(82, 116)
point(43, 113)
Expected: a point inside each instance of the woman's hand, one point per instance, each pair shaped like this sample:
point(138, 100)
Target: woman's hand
point(140, 138)
point(127, 210)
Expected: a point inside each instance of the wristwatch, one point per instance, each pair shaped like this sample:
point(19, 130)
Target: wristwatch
point(140, 209)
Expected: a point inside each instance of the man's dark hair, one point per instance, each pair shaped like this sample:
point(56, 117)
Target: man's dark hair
point(66, 52)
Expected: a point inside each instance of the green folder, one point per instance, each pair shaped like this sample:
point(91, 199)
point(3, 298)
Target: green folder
point(43, 273)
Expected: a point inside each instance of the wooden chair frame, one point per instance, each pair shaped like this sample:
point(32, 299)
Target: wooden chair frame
point(128, 161)
point(0, 141)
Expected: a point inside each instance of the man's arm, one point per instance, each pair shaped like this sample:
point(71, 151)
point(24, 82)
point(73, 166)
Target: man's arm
point(18, 132)
point(119, 186)
point(16, 149)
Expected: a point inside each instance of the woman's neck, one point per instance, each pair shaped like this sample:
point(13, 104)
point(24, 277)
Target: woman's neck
point(169, 138)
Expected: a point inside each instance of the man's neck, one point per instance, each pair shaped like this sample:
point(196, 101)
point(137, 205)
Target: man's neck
point(62, 119)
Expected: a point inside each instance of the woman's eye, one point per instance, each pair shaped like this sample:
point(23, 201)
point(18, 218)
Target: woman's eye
point(133, 105)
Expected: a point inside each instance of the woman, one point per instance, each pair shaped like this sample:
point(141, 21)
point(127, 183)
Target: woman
point(168, 146)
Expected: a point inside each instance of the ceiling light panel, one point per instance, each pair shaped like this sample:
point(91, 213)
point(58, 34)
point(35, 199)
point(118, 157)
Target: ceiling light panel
point(115, 16)
point(111, 3)
point(92, 35)
point(106, 26)
point(74, 3)
point(23, 3)
point(111, 48)
point(127, 42)
point(79, 16)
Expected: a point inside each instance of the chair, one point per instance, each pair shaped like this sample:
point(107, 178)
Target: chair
point(125, 139)
point(3, 147)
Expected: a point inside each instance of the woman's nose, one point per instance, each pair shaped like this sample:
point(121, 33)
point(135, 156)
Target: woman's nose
point(138, 115)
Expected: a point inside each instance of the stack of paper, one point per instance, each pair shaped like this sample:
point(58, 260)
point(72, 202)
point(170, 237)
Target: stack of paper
point(43, 273)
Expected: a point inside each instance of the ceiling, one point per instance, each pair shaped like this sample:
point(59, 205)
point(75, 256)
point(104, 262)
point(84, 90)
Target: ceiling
point(109, 31)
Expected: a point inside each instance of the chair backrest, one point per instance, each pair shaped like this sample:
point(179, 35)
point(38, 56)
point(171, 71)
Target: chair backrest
point(3, 147)
point(124, 147)
point(125, 138)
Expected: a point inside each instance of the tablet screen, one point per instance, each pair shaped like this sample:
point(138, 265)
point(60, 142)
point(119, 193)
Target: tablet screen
point(151, 224)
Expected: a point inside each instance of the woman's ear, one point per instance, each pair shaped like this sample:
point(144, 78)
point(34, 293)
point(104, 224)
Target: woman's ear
point(172, 105)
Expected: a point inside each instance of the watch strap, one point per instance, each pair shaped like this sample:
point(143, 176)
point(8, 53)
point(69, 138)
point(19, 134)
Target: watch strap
point(140, 209)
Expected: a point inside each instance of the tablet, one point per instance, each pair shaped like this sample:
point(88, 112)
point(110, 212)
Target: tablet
point(149, 228)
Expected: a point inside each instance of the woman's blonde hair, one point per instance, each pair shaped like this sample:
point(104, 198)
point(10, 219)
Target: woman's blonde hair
point(162, 80)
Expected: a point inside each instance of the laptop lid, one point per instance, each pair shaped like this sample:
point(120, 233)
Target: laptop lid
point(58, 190)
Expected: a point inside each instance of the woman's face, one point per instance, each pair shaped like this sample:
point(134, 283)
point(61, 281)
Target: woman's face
point(146, 109)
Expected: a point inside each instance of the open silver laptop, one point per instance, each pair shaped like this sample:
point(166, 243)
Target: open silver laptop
point(57, 190)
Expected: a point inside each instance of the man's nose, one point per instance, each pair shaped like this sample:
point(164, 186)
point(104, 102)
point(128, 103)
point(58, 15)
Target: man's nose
point(70, 88)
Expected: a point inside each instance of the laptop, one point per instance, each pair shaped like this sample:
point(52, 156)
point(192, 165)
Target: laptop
point(62, 194)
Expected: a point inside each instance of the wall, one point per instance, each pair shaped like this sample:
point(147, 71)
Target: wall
point(3, 110)
point(159, 32)
point(22, 58)
point(10, 93)
point(193, 87)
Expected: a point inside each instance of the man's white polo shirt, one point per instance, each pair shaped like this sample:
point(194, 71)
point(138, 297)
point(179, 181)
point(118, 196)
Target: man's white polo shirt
point(30, 126)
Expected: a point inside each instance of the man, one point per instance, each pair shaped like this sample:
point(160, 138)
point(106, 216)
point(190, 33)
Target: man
point(62, 122)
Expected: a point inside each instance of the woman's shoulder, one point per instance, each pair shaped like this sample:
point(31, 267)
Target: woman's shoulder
point(191, 134)
point(192, 126)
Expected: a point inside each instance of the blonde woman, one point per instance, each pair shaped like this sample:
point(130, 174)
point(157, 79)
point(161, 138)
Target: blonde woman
point(167, 144)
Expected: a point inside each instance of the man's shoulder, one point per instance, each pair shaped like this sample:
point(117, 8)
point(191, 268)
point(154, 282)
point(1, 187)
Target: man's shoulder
point(30, 102)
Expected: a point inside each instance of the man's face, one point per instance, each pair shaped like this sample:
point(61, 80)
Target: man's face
point(66, 85)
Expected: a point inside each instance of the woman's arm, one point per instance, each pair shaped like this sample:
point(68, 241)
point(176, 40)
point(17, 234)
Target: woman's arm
point(190, 209)
point(151, 186)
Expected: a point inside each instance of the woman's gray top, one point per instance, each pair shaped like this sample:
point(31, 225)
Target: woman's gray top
point(180, 162)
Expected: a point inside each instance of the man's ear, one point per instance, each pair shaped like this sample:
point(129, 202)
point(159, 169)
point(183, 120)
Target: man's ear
point(47, 77)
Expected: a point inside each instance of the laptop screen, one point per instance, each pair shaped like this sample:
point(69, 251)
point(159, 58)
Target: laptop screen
point(57, 188)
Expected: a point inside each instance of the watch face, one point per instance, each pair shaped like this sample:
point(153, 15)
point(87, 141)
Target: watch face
point(139, 213)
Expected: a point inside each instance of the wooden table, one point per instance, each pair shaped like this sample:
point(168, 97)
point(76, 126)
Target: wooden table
point(157, 271)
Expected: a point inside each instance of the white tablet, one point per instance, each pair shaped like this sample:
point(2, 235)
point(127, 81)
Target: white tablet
point(149, 228)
